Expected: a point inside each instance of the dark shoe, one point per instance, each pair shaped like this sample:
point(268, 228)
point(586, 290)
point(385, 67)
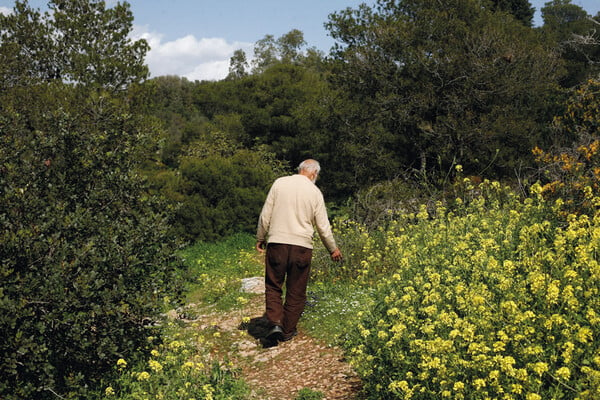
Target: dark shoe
point(290, 336)
point(266, 343)
point(275, 334)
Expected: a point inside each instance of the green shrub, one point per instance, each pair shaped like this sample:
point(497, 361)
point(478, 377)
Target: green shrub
point(308, 394)
point(86, 257)
point(222, 195)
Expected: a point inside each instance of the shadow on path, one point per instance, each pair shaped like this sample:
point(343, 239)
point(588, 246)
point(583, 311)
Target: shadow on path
point(259, 328)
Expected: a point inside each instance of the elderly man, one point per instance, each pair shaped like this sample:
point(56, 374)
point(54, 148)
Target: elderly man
point(293, 208)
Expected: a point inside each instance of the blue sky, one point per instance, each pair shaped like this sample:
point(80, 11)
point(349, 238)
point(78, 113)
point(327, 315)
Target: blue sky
point(196, 38)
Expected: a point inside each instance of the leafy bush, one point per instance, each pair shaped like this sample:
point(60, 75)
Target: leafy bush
point(86, 255)
point(376, 205)
point(495, 299)
point(222, 195)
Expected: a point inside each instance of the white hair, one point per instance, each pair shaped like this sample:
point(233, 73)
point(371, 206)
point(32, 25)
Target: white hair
point(310, 166)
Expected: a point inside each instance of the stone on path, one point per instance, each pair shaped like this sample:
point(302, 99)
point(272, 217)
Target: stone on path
point(253, 285)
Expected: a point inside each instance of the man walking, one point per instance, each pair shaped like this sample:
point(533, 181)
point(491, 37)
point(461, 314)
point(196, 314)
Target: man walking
point(293, 208)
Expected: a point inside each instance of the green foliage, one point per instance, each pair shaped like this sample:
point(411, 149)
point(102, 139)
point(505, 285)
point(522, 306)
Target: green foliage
point(573, 174)
point(86, 253)
point(574, 35)
point(78, 41)
point(376, 205)
point(208, 168)
point(215, 269)
point(287, 49)
point(180, 366)
point(520, 9)
point(222, 195)
point(333, 303)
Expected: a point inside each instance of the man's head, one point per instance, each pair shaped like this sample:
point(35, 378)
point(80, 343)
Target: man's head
point(310, 168)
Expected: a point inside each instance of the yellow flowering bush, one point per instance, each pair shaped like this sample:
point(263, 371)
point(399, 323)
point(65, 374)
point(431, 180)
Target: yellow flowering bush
point(180, 366)
point(494, 299)
point(573, 174)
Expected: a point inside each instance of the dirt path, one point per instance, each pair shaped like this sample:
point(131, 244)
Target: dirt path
point(280, 372)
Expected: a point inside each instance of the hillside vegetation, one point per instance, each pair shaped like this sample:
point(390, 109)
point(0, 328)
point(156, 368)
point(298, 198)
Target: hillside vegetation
point(459, 147)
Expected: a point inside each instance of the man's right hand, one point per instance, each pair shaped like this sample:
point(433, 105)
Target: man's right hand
point(336, 255)
point(261, 246)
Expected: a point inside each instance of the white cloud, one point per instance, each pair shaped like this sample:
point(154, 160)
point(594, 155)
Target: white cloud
point(189, 57)
point(5, 10)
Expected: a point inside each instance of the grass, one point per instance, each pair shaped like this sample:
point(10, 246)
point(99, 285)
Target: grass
point(215, 270)
point(332, 308)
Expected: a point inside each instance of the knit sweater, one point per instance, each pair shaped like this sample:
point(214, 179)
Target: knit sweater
point(293, 209)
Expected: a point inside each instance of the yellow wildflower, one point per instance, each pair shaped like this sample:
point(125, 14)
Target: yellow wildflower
point(584, 335)
point(393, 311)
point(479, 383)
point(143, 376)
point(155, 365)
point(516, 388)
point(563, 373)
point(540, 367)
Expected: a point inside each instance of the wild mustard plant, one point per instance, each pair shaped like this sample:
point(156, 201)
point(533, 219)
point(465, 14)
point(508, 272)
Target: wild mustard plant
point(179, 367)
point(496, 298)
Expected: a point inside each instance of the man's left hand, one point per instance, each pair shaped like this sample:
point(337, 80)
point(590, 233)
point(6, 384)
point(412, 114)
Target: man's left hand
point(336, 255)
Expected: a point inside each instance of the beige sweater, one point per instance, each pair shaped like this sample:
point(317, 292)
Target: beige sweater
point(293, 208)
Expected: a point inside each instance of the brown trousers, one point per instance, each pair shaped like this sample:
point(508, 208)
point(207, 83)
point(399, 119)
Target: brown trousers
point(290, 264)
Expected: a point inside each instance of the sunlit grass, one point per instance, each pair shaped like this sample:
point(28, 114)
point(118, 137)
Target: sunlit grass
point(332, 308)
point(216, 270)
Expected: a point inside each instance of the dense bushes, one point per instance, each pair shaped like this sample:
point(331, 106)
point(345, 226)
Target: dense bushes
point(217, 195)
point(86, 258)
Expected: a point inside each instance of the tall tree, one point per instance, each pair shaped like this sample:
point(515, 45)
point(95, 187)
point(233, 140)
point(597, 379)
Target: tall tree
point(438, 82)
point(287, 49)
point(265, 54)
point(238, 65)
point(290, 46)
point(76, 41)
point(520, 9)
point(576, 36)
